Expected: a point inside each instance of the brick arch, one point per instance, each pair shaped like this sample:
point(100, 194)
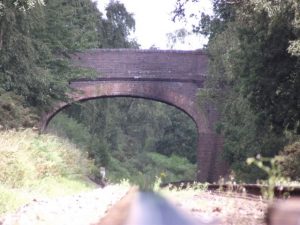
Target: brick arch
point(87, 92)
point(172, 77)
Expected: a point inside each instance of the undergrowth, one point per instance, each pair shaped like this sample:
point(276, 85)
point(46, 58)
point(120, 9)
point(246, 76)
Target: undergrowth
point(143, 169)
point(39, 166)
point(139, 167)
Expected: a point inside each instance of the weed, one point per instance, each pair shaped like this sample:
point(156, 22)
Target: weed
point(271, 166)
point(125, 183)
point(157, 183)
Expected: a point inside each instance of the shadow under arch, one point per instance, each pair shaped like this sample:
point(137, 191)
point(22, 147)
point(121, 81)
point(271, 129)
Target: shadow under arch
point(63, 106)
point(156, 92)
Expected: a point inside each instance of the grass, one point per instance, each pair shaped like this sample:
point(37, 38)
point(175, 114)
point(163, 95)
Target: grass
point(37, 166)
point(191, 189)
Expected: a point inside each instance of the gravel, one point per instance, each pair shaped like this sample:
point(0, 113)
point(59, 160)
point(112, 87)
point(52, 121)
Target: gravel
point(82, 209)
point(221, 209)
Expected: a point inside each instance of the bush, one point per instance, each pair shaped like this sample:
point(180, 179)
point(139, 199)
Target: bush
point(64, 126)
point(27, 156)
point(34, 165)
point(143, 169)
point(291, 161)
point(174, 167)
point(13, 112)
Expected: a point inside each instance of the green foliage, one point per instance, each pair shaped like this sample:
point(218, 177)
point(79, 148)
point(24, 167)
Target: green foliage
point(269, 74)
point(144, 168)
point(14, 113)
point(10, 200)
point(253, 76)
point(246, 135)
point(35, 165)
point(35, 40)
point(26, 157)
point(118, 27)
point(127, 126)
point(290, 165)
point(179, 166)
point(82, 19)
point(66, 127)
point(19, 4)
point(271, 166)
point(134, 139)
point(178, 137)
point(24, 69)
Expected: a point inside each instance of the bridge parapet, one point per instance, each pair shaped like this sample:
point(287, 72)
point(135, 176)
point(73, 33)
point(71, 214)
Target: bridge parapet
point(144, 63)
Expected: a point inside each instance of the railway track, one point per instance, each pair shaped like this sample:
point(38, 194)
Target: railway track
point(118, 214)
point(248, 189)
point(145, 208)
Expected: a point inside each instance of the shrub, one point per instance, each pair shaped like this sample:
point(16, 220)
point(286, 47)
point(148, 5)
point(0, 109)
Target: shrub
point(143, 169)
point(27, 156)
point(64, 126)
point(174, 167)
point(13, 112)
point(291, 161)
point(39, 165)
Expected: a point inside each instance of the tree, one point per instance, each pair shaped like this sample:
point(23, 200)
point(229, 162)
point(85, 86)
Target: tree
point(35, 40)
point(20, 57)
point(269, 73)
point(71, 26)
point(254, 74)
point(117, 27)
point(179, 137)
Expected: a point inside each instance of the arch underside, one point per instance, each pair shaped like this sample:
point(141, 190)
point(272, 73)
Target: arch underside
point(181, 96)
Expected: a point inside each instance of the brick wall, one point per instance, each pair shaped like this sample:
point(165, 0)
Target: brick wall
point(143, 63)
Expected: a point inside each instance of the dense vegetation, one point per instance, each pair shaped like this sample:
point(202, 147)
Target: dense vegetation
point(254, 76)
point(132, 139)
point(38, 166)
point(35, 39)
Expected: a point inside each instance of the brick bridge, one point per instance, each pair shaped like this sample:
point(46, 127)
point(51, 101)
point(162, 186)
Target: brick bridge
point(172, 77)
